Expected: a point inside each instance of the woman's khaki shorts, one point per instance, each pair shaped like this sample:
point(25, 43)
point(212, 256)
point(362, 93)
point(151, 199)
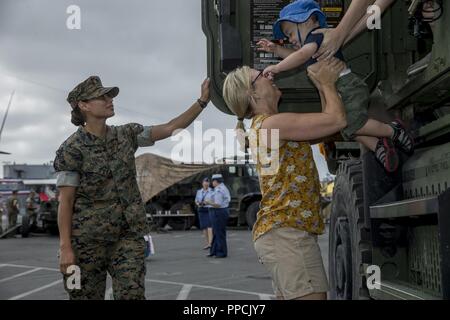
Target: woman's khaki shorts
point(294, 260)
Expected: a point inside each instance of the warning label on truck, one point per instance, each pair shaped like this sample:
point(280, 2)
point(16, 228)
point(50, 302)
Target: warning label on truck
point(264, 13)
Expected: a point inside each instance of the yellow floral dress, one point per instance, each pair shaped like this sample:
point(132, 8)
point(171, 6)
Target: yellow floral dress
point(289, 183)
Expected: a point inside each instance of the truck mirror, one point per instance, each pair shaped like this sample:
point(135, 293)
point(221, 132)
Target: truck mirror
point(229, 37)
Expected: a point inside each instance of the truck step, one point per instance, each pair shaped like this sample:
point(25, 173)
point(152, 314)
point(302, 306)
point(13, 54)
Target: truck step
point(390, 290)
point(407, 208)
point(435, 129)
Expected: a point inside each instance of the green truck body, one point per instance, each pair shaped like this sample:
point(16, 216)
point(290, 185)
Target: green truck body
point(398, 224)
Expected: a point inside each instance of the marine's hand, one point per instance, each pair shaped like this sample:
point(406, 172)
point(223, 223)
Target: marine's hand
point(332, 42)
point(205, 90)
point(267, 46)
point(66, 259)
point(326, 72)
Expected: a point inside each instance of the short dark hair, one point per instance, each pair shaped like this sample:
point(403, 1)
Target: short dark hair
point(78, 118)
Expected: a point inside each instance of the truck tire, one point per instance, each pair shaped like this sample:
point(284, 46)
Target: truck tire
point(251, 214)
point(25, 227)
point(349, 242)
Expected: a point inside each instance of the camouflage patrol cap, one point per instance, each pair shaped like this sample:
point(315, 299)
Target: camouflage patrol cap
point(91, 88)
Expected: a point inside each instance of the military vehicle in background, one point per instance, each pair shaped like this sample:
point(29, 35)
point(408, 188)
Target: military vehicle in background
point(326, 196)
point(47, 219)
point(7, 186)
point(46, 211)
point(398, 222)
point(169, 190)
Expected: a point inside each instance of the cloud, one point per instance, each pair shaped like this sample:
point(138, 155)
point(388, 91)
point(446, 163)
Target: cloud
point(155, 51)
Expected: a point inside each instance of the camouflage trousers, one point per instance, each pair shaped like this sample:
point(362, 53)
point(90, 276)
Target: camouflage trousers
point(124, 260)
point(32, 215)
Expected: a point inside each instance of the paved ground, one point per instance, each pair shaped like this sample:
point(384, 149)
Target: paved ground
point(179, 270)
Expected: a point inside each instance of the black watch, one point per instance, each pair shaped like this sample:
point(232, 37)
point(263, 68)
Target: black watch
point(202, 104)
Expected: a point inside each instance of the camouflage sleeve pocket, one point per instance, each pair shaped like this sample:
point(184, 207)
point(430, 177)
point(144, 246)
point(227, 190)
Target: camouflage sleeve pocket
point(67, 179)
point(133, 130)
point(144, 139)
point(67, 159)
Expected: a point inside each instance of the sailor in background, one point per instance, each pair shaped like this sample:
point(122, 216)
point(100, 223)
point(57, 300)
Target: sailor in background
point(13, 209)
point(219, 214)
point(203, 194)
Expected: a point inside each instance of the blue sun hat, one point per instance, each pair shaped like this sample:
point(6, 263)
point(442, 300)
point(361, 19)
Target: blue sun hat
point(298, 12)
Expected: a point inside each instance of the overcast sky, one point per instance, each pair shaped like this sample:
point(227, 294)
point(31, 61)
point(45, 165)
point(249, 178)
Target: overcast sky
point(155, 51)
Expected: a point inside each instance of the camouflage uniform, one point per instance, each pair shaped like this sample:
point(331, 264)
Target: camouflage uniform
point(109, 220)
point(32, 209)
point(13, 211)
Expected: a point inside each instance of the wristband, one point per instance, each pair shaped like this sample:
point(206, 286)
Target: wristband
point(202, 104)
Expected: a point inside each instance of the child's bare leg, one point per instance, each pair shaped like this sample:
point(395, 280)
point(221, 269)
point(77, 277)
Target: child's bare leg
point(375, 128)
point(205, 233)
point(210, 236)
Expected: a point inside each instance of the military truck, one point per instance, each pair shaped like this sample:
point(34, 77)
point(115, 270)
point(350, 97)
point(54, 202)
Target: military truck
point(326, 192)
point(7, 186)
point(399, 223)
point(47, 217)
point(169, 190)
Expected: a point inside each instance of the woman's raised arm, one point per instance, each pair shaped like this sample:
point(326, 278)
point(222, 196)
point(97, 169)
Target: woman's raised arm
point(314, 126)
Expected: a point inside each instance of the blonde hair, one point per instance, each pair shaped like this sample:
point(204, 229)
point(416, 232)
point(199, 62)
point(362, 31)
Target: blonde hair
point(236, 93)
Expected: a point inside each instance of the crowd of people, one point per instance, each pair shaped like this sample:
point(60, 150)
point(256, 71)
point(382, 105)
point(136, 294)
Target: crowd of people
point(11, 208)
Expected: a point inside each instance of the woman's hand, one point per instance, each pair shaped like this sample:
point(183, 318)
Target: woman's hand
point(267, 46)
point(270, 72)
point(332, 42)
point(326, 72)
point(66, 259)
point(205, 90)
point(312, 77)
